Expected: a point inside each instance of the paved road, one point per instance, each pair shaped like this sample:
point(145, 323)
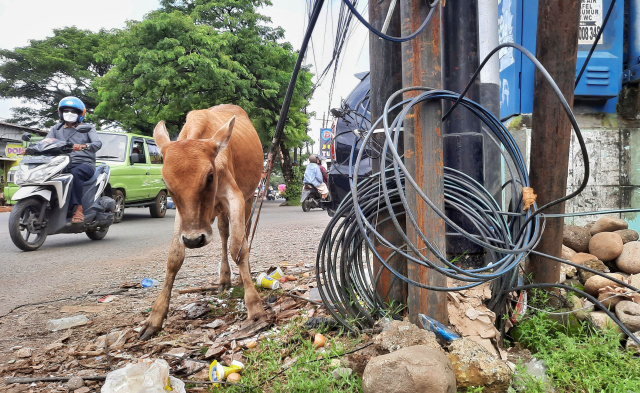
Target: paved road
point(69, 265)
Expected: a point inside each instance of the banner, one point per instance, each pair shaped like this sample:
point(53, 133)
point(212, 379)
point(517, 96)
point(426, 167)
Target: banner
point(325, 142)
point(14, 150)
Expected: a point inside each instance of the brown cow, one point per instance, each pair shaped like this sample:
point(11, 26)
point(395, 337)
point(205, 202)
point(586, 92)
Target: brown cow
point(211, 171)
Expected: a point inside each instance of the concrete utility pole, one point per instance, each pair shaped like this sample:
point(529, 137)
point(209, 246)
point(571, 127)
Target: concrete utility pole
point(421, 66)
point(556, 48)
point(386, 78)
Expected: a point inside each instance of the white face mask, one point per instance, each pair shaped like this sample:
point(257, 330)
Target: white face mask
point(70, 117)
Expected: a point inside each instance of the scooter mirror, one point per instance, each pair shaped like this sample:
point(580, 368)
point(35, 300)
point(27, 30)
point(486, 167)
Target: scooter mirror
point(26, 136)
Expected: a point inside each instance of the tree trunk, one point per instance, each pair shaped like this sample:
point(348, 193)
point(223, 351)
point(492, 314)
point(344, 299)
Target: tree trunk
point(285, 161)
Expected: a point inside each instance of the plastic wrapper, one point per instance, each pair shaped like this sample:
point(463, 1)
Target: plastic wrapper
point(143, 377)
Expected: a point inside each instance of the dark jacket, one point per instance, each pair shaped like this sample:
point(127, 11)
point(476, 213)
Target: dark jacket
point(83, 134)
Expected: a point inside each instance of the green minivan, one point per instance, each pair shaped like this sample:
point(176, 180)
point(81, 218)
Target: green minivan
point(136, 173)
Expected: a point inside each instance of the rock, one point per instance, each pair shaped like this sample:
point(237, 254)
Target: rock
point(75, 383)
point(341, 372)
point(399, 334)
point(576, 238)
point(412, 369)
point(629, 314)
point(595, 265)
point(627, 235)
point(595, 282)
point(589, 225)
point(632, 345)
point(567, 253)
point(568, 271)
point(358, 361)
point(83, 389)
point(602, 321)
point(475, 366)
point(24, 352)
point(582, 257)
point(606, 246)
point(629, 259)
point(634, 281)
point(608, 224)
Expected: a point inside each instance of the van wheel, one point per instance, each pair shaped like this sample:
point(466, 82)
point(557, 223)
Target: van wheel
point(98, 234)
point(159, 207)
point(118, 213)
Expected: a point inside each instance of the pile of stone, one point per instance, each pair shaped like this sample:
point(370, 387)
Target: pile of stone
point(405, 358)
point(608, 246)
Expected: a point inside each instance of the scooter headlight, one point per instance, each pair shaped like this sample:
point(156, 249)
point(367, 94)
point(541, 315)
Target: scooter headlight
point(40, 173)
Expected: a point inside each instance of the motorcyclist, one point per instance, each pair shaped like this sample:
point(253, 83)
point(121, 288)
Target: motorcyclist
point(72, 111)
point(313, 176)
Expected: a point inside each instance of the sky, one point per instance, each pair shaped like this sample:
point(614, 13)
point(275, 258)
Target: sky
point(21, 21)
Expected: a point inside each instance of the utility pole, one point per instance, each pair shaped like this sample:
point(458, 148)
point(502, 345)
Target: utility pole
point(423, 157)
point(463, 139)
point(386, 78)
point(556, 48)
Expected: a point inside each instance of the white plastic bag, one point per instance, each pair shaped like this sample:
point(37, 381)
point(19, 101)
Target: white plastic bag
point(143, 377)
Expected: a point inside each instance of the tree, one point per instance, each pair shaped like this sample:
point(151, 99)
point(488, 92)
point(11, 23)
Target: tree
point(196, 54)
point(46, 71)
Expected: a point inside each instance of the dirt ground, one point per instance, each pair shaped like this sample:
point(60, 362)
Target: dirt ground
point(28, 349)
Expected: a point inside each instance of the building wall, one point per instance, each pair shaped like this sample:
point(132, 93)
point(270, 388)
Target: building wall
point(613, 146)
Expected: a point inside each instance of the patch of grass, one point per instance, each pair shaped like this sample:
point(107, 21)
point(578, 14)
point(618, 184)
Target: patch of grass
point(311, 372)
point(582, 360)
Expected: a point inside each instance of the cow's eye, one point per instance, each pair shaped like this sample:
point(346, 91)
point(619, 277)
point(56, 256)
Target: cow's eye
point(209, 178)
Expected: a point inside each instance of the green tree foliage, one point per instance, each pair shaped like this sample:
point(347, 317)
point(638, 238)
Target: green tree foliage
point(193, 54)
point(44, 72)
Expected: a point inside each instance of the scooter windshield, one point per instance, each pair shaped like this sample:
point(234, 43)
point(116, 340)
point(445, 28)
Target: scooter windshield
point(49, 147)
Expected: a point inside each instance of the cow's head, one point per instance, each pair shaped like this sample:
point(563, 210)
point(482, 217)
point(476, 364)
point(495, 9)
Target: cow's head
point(189, 171)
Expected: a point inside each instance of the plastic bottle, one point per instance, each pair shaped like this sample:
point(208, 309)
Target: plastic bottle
point(148, 283)
point(66, 323)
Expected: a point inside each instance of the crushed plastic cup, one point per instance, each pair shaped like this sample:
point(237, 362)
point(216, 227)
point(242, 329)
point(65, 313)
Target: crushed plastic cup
point(218, 372)
point(267, 282)
point(276, 273)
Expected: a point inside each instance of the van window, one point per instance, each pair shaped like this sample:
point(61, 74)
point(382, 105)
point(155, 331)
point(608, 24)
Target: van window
point(154, 152)
point(137, 147)
point(114, 147)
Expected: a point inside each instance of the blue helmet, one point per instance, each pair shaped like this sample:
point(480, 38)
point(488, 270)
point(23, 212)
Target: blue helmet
point(75, 103)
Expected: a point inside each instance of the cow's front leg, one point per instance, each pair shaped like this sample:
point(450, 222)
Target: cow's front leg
point(238, 244)
point(225, 270)
point(153, 324)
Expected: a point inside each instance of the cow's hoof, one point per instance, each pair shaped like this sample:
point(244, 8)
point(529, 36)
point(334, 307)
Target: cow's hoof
point(147, 332)
point(224, 285)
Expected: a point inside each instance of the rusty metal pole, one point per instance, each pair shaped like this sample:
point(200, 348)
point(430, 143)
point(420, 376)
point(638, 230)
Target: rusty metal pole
point(421, 66)
point(386, 78)
point(556, 48)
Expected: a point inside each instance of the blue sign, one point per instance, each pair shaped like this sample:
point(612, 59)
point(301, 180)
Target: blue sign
point(325, 142)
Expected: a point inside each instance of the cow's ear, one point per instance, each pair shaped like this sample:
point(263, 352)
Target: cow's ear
point(220, 139)
point(161, 136)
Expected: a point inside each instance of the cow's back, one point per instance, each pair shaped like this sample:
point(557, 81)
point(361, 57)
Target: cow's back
point(243, 158)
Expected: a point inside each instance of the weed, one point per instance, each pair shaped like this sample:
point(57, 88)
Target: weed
point(583, 359)
point(311, 371)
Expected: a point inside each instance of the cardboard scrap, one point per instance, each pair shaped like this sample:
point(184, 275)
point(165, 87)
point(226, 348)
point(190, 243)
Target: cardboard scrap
point(76, 309)
point(471, 318)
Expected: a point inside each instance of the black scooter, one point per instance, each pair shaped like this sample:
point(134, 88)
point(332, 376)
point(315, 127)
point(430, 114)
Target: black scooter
point(311, 198)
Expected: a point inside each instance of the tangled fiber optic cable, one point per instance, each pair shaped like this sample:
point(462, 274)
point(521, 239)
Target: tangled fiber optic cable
point(354, 252)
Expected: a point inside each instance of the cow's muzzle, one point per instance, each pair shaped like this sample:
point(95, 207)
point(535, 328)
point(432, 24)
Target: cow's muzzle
point(196, 242)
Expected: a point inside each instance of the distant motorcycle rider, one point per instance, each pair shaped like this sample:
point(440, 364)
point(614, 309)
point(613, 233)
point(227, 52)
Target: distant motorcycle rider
point(313, 175)
point(72, 111)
